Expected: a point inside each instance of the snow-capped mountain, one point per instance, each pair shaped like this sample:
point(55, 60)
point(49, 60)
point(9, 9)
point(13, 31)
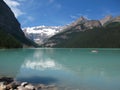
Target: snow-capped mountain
point(40, 34)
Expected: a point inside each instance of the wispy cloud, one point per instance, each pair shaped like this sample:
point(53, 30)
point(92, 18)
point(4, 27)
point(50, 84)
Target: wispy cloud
point(27, 19)
point(14, 5)
point(58, 6)
point(78, 16)
point(30, 18)
point(54, 4)
point(73, 17)
point(51, 1)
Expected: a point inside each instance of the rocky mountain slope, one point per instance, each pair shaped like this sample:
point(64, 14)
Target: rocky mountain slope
point(109, 19)
point(11, 29)
point(85, 33)
point(106, 19)
point(40, 34)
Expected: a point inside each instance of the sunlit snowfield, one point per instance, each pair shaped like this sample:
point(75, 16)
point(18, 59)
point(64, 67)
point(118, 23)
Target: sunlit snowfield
point(68, 69)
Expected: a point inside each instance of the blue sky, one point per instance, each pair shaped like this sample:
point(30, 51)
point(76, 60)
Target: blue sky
point(61, 12)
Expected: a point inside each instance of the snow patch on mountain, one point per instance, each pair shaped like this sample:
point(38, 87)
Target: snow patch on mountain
point(40, 34)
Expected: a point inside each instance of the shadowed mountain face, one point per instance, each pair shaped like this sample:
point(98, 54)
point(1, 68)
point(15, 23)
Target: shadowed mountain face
point(11, 27)
point(85, 33)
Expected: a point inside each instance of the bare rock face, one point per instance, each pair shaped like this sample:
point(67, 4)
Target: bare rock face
point(92, 23)
point(116, 19)
point(80, 20)
point(83, 24)
point(80, 25)
point(106, 19)
point(75, 32)
point(109, 19)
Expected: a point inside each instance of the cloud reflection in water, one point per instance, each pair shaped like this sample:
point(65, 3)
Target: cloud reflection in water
point(42, 65)
point(41, 61)
point(76, 68)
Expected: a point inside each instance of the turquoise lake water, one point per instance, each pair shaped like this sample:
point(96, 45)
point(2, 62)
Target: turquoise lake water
point(69, 69)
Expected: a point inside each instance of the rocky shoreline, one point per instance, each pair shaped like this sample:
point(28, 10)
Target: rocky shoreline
point(8, 83)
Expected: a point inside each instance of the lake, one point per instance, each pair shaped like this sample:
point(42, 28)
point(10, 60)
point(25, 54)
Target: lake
point(69, 69)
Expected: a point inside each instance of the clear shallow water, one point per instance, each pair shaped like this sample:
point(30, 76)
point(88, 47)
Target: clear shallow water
point(69, 69)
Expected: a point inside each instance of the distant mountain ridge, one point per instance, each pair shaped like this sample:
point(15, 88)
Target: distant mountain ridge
point(54, 36)
point(88, 33)
point(40, 34)
point(109, 19)
point(10, 27)
point(81, 33)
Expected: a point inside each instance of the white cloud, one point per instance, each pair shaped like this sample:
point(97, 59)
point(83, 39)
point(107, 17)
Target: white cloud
point(74, 17)
point(30, 18)
point(78, 16)
point(85, 16)
point(54, 4)
point(14, 5)
point(27, 20)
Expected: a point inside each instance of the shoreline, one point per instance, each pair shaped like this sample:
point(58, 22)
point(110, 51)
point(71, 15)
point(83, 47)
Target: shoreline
point(9, 83)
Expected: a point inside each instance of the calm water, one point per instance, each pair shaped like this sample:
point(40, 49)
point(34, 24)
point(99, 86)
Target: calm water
point(69, 69)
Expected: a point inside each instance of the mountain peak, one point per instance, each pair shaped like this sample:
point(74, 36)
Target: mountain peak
point(116, 19)
point(40, 34)
point(82, 19)
point(106, 19)
point(88, 34)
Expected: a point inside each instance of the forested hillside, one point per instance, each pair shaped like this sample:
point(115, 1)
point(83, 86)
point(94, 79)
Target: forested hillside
point(98, 37)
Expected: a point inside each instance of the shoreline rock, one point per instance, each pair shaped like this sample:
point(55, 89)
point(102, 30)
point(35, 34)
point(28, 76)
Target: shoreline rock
point(8, 83)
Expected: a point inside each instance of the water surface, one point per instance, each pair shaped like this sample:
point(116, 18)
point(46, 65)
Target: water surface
point(69, 69)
